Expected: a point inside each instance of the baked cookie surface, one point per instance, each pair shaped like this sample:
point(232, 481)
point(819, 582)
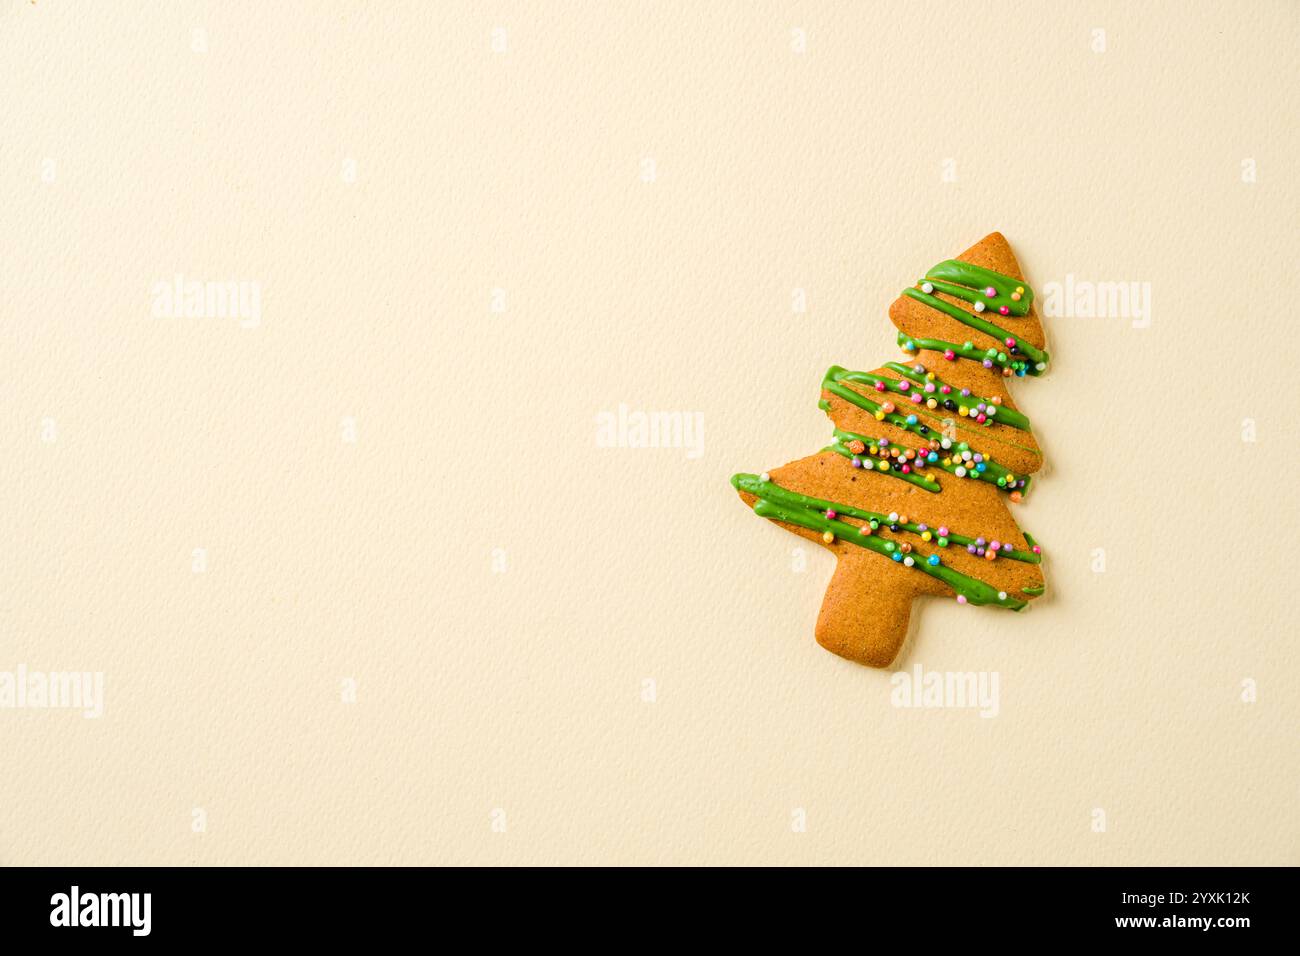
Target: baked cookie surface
point(912, 494)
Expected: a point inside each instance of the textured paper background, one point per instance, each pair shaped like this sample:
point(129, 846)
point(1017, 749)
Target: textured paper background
point(127, 156)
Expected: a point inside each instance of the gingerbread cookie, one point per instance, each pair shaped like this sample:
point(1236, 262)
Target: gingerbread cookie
point(911, 495)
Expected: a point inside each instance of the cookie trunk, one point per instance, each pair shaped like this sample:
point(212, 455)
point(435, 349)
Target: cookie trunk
point(864, 624)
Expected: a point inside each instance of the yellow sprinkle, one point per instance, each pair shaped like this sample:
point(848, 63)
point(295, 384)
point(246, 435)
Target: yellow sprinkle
point(925, 536)
point(828, 537)
point(963, 411)
point(1020, 288)
point(880, 416)
point(882, 466)
point(929, 376)
point(931, 403)
point(1010, 477)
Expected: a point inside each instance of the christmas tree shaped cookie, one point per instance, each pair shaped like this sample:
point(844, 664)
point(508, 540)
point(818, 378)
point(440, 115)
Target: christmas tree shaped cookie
point(912, 494)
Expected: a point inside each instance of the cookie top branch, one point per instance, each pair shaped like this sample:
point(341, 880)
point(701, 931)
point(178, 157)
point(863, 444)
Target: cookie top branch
point(972, 312)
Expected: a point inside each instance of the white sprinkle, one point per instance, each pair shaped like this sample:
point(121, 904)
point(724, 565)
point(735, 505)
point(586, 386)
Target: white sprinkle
point(764, 477)
point(927, 288)
point(1040, 366)
point(908, 561)
point(1002, 595)
point(960, 472)
point(979, 306)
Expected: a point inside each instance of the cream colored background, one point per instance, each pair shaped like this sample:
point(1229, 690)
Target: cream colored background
point(522, 171)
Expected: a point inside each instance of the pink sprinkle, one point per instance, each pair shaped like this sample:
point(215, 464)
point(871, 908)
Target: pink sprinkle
point(947, 389)
point(1011, 343)
point(949, 354)
point(943, 532)
point(1003, 310)
point(981, 418)
point(961, 599)
point(830, 514)
point(904, 385)
point(880, 386)
point(1037, 550)
point(916, 398)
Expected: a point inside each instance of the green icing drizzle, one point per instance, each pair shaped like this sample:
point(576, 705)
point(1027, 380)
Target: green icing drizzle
point(971, 283)
point(910, 343)
point(922, 410)
point(1004, 415)
point(1033, 353)
point(973, 280)
point(791, 507)
point(870, 464)
point(991, 471)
